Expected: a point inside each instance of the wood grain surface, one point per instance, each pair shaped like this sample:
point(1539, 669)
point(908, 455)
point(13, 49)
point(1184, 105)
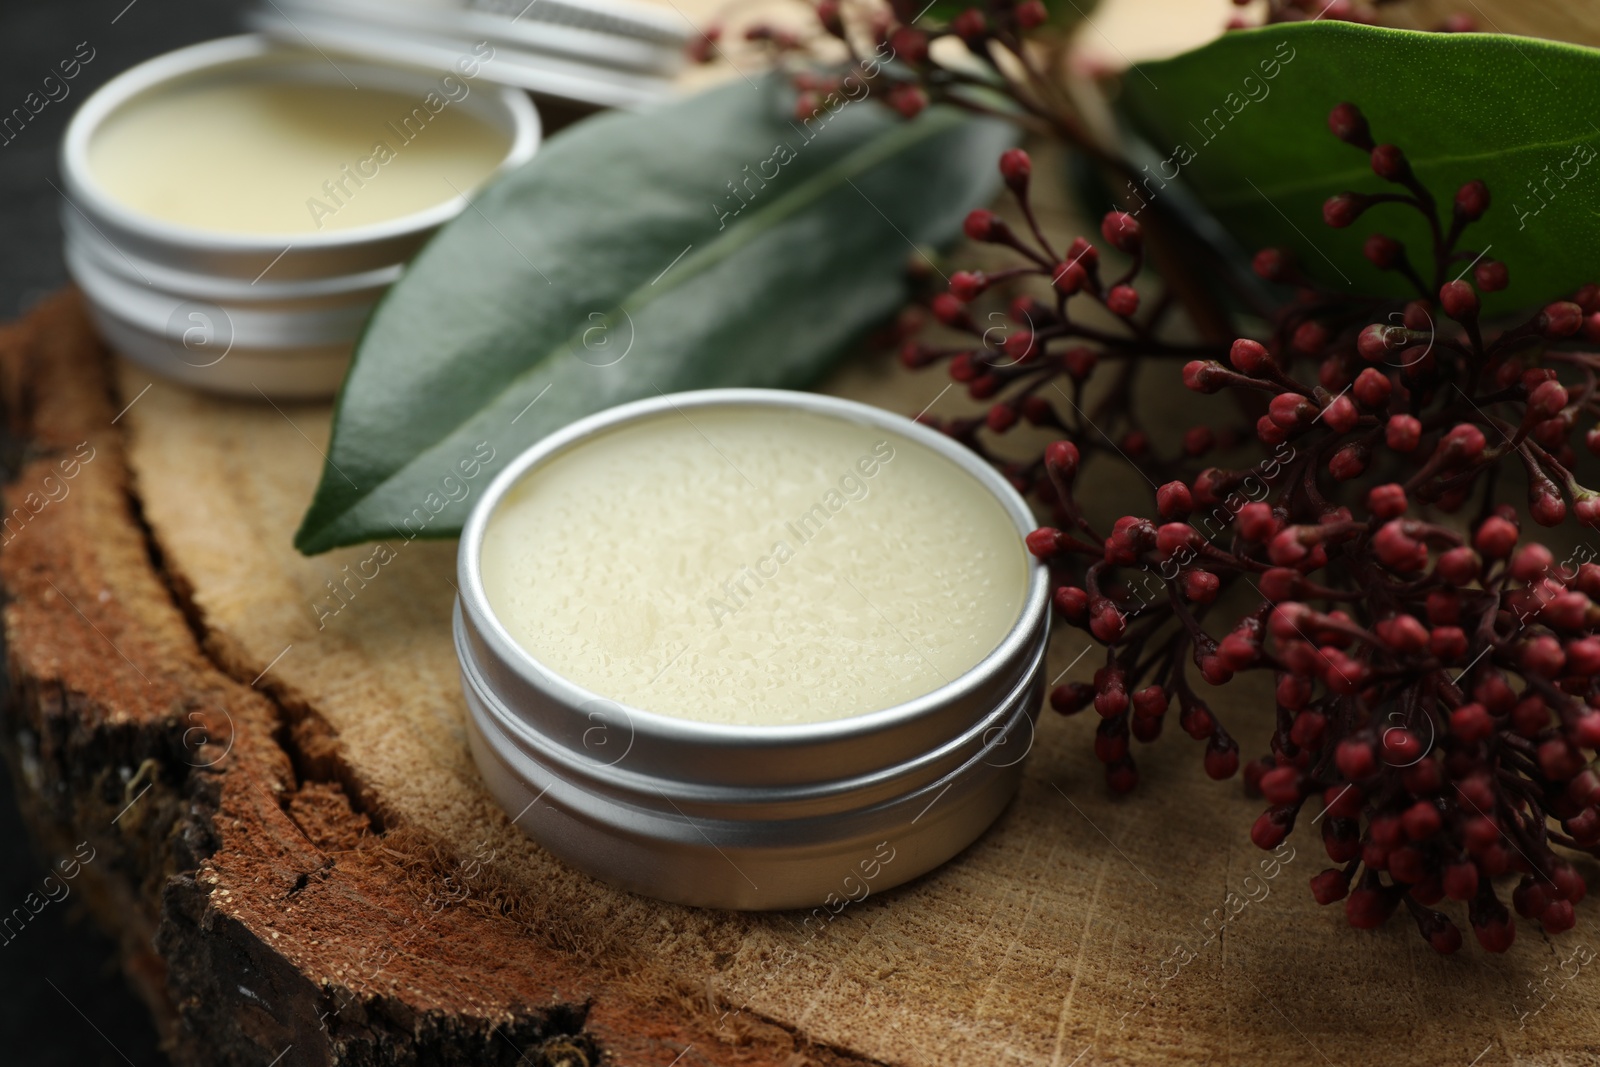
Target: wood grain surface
point(293, 844)
point(321, 875)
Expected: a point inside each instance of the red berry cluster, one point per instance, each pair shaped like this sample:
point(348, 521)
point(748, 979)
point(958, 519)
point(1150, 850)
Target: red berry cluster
point(890, 47)
point(1437, 702)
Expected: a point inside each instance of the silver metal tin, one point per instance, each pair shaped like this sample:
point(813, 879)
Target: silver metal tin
point(605, 53)
point(238, 313)
point(748, 817)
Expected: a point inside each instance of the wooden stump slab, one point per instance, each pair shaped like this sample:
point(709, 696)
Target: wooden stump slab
point(293, 844)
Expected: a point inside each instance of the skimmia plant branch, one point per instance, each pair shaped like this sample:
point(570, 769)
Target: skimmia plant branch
point(1437, 710)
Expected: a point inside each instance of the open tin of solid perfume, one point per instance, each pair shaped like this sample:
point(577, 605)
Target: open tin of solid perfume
point(239, 282)
point(234, 210)
point(751, 649)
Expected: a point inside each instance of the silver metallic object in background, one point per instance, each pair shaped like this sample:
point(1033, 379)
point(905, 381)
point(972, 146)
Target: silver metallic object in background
point(749, 817)
point(603, 53)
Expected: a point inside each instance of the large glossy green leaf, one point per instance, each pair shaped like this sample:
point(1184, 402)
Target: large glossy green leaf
point(620, 263)
point(1520, 114)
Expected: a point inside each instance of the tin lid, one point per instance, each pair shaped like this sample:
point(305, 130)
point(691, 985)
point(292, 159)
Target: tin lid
point(609, 53)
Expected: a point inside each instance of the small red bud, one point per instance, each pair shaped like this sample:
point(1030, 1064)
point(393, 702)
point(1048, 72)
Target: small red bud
point(1271, 264)
point(1355, 759)
point(1471, 723)
point(1448, 644)
point(966, 286)
point(1198, 440)
point(1387, 501)
point(1069, 278)
point(1373, 344)
point(1015, 164)
point(1309, 338)
point(1562, 319)
point(947, 308)
point(1279, 583)
point(1472, 199)
point(1201, 586)
point(1350, 126)
point(1532, 562)
point(1459, 566)
point(1350, 462)
point(1382, 251)
point(1222, 757)
point(1403, 434)
point(1250, 357)
point(1123, 300)
point(1281, 786)
point(1546, 400)
point(1458, 300)
point(909, 44)
point(1329, 886)
point(1079, 361)
point(1496, 537)
point(1271, 828)
point(1044, 542)
point(1071, 698)
point(1150, 702)
point(1061, 457)
point(1491, 275)
point(1204, 375)
point(1072, 603)
point(1172, 537)
point(1108, 625)
point(1389, 163)
point(1544, 656)
point(970, 25)
point(1031, 14)
point(1121, 231)
point(1372, 388)
point(1401, 748)
point(982, 225)
point(1001, 417)
point(1256, 522)
point(1464, 443)
point(1343, 209)
point(1461, 881)
point(1174, 500)
point(907, 99)
point(1288, 410)
point(1341, 415)
point(1403, 634)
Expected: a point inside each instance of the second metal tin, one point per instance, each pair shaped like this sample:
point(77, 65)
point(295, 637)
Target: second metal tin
point(239, 313)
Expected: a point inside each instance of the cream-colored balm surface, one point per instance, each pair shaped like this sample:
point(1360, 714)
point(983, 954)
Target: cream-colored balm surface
point(262, 157)
point(754, 566)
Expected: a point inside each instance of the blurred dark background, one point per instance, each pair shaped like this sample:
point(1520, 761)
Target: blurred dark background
point(63, 1000)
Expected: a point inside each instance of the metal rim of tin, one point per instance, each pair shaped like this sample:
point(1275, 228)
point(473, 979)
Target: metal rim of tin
point(675, 802)
point(609, 53)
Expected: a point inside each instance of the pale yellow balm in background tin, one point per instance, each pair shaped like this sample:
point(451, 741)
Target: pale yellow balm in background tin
point(285, 158)
point(733, 647)
point(744, 566)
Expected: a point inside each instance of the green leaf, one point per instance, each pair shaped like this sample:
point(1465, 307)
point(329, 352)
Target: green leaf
point(711, 243)
point(1514, 112)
